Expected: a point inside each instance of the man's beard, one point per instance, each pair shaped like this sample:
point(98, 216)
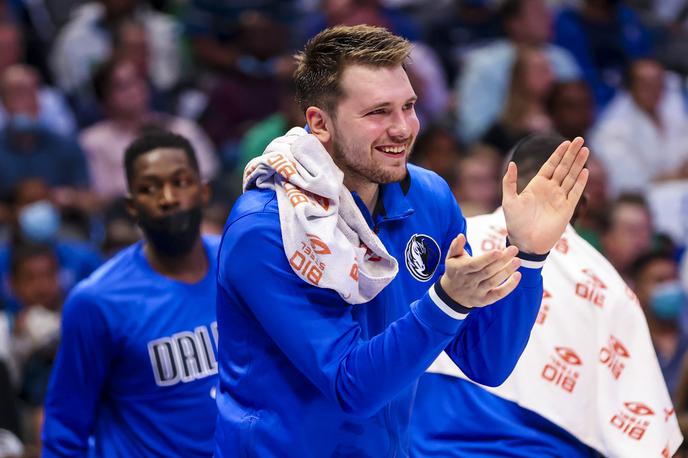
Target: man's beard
point(172, 235)
point(356, 162)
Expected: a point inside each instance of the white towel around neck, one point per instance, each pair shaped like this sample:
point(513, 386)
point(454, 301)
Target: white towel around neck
point(326, 238)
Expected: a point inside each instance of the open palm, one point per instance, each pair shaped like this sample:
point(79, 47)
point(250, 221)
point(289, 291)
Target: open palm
point(536, 218)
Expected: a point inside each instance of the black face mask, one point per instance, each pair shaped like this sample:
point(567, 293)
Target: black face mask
point(173, 235)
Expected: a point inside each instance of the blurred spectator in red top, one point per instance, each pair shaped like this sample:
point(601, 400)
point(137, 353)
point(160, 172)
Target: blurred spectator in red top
point(125, 98)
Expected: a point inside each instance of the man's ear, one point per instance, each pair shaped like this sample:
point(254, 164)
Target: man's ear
point(131, 208)
point(320, 124)
point(206, 193)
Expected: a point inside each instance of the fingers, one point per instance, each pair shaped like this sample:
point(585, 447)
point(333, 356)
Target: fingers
point(509, 182)
point(457, 246)
point(578, 187)
point(487, 264)
point(472, 281)
point(504, 289)
point(501, 274)
point(572, 175)
point(567, 160)
point(548, 168)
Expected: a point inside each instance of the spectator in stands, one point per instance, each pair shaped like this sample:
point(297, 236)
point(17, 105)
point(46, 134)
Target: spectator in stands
point(36, 219)
point(663, 300)
point(239, 36)
point(591, 223)
point(125, 97)
point(604, 36)
point(120, 228)
point(571, 108)
point(643, 135)
point(87, 40)
point(10, 430)
point(35, 336)
point(476, 186)
point(525, 111)
point(354, 12)
point(438, 150)
point(277, 124)
point(53, 110)
point(131, 42)
point(34, 277)
point(253, 54)
point(627, 233)
point(484, 79)
point(28, 149)
point(470, 23)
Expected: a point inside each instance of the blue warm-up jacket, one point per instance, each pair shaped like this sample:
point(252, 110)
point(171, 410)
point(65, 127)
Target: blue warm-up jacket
point(304, 374)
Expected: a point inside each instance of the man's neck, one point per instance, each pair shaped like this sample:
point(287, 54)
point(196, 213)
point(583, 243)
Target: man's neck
point(188, 268)
point(367, 191)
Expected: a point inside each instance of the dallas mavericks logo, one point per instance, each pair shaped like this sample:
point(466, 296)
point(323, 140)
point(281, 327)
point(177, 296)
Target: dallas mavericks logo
point(422, 256)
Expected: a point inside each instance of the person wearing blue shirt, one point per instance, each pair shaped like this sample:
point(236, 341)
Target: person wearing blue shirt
point(304, 373)
point(136, 368)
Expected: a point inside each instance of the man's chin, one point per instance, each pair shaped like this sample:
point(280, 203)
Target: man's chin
point(393, 177)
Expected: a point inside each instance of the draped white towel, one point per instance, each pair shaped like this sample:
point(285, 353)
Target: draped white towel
point(325, 236)
point(589, 366)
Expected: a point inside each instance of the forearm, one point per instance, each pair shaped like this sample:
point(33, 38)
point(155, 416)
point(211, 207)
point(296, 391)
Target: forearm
point(492, 339)
point(375, 371)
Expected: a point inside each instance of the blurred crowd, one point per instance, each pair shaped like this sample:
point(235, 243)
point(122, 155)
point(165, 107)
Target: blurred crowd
point(79, 80)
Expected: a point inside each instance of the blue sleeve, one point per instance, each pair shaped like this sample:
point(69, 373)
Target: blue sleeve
point(491, 341)
point(77, 378)
point(314, 327)
point(489, 344)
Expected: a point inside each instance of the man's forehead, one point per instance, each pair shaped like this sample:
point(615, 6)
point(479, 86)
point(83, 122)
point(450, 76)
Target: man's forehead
point(372, 85)
point(161, 160)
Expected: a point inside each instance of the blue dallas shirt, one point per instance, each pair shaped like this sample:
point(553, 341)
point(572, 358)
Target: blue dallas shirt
point(137, 366)
point(304, 374)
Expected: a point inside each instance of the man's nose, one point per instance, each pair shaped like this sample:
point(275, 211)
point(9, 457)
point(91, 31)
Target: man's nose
point(400, 129)
point(168, 197)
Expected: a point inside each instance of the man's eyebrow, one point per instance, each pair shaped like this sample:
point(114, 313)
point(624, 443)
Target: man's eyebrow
point(376, 105)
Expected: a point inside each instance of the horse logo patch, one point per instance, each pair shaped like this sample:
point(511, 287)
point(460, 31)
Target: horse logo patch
point(422, 256)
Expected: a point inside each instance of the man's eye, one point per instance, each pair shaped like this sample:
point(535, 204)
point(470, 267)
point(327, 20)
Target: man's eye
point(410, 106)
point(379, 111)
point(146, 189)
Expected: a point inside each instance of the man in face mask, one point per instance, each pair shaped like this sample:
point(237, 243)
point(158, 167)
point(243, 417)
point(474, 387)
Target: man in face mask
point(35, 219)
point(137, 364)
point(663, 300)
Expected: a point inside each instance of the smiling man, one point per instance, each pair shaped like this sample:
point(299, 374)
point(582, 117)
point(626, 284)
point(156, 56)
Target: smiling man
point(136, 368)
point(344, 271)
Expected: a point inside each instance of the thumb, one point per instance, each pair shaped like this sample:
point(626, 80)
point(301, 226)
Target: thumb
point(509, 183)
point(457, 246)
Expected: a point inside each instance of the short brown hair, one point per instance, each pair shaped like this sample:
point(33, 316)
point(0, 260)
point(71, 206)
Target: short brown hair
point(321, 63)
